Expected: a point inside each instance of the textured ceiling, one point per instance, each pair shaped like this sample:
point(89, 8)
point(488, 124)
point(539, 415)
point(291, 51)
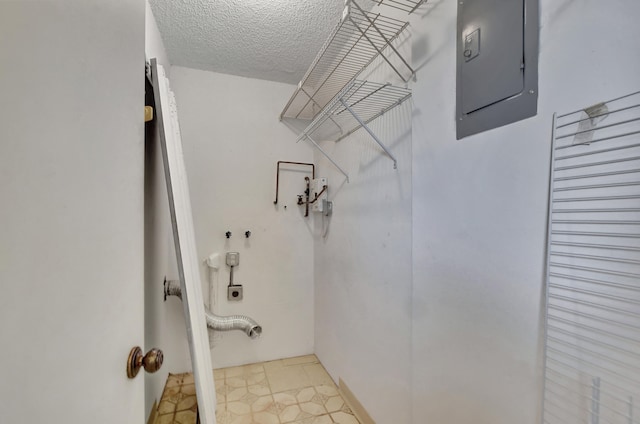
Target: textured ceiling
point(268, 39)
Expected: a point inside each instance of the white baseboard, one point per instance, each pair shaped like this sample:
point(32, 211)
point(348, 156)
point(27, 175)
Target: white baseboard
point(358, 410)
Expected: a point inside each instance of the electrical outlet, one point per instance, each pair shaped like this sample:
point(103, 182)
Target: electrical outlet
point(233, 258)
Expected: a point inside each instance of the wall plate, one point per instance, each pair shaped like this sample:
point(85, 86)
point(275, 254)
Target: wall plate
point(235, 292)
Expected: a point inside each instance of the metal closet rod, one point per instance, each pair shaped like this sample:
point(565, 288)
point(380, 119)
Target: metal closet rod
point(280, 162)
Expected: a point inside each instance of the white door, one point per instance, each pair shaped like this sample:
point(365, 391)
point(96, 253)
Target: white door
point(71, 210)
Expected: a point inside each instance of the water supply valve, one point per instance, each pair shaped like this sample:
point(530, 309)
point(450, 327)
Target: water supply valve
point(319, 194)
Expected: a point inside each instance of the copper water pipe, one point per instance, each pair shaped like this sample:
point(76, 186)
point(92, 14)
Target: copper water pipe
point(313, 174)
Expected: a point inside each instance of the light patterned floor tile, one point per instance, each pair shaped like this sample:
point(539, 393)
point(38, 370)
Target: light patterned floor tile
point(313, 408)
point(344, 418)
point(186, 403)
point(303, 394)
point(242, 419)
point(236, 381)
point(265, 418)
point(170, 392)
point(174, 380)
point(318, 375)
point(166, 407)
point(256, 378)
point(288, 378)
point(260, 390)
point(165, 419)
point(223, 389)
point(255, 368)
point(306, 359)
point(185, 417)
point(262, 403)
point(306, 394)
point(218, 374)
point(273, 366)
point(234, 371)
point(327, 390)
point(285, 398)
point(290, 413)
point(236, 394)
point(319, 398)
point(239, 408)
point(324, 419)
point(334, 404)
point(189, 389)
point(249, 398)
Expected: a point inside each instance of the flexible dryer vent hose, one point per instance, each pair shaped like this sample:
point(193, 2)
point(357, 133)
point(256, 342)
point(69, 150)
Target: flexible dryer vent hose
point(216, 322)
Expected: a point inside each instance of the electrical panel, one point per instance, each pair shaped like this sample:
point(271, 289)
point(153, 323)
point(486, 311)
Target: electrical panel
point(497, 63)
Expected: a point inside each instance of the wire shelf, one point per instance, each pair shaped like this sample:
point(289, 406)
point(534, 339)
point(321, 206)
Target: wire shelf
point(592, 342)
point(355, 42)
point(355, 106)
point(369, 100)
point(408, 6)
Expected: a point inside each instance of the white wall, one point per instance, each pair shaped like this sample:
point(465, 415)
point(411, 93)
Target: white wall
point(165, 326)
point(428, 287)
point(479, 211)
point(363, 264)
point(363, 268)
point(71, 220)
point(232, 140)
point(154, 46)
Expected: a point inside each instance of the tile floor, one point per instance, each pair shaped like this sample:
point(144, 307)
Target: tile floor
point(294, 390)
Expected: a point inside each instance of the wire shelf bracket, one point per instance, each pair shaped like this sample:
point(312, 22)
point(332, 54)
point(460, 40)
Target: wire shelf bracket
point(356, 41)
point(354, 107)
point(408, 6)
point(592, 319)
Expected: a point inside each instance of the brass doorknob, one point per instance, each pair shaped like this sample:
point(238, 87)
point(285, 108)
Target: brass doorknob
point(151, 362)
